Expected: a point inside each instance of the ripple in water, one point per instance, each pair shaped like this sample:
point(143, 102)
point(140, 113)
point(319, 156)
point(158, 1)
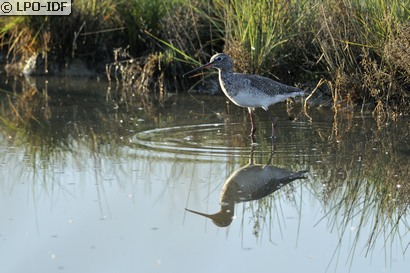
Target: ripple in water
point(220, 141)
point(203, 141)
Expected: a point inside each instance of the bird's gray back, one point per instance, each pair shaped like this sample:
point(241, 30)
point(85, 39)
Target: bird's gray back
point(267, 85)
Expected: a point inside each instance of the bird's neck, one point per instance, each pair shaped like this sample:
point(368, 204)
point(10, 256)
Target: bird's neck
point(224, 74)
point(227, 81)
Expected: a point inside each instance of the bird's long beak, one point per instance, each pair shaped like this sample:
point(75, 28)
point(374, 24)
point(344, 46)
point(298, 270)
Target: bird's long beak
point(208, 65)
point(222, 218)
point(210, 216)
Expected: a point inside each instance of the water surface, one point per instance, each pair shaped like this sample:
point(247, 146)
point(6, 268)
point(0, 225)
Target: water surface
point(92, 185)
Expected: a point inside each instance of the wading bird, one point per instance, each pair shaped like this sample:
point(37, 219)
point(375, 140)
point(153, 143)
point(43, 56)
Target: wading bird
point(247, 90)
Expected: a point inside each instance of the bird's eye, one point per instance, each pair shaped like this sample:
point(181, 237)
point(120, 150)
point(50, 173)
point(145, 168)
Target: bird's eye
point(218, 59)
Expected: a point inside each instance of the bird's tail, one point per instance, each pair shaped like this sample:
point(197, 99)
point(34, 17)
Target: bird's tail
point(295, 92)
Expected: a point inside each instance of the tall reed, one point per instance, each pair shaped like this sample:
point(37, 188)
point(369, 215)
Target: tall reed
point(256, 32)
point(354, 40)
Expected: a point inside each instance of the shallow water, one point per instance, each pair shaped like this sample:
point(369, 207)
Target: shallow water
point(92, 186)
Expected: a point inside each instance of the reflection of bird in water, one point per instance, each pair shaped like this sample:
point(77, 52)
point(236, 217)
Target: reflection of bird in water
point(251, 182)
point(248, 90)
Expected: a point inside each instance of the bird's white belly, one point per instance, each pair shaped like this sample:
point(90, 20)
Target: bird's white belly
point(256, 100)
point(247, 100)
point(253, 98)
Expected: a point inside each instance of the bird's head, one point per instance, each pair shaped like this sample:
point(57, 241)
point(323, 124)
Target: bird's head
point(219, 61)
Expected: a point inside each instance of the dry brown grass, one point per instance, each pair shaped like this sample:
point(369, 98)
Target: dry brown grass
point(398, 49)
point(366, 58)
point(242, 57)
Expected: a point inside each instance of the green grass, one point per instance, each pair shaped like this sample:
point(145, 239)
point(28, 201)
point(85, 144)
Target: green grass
point(261, 28)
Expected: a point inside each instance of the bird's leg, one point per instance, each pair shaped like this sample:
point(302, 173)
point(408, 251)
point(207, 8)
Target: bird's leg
point(273, 124)
point(253, 129)
point(273, 148)
point(251, 161)
point(271, 153)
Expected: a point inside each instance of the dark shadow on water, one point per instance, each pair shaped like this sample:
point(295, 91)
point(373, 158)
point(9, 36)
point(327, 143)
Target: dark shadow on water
point(249, 183)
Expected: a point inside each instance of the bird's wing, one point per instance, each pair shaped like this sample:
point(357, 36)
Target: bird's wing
point(267, 85)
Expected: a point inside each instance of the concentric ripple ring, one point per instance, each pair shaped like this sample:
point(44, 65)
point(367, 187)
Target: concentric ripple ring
point(198, 141)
